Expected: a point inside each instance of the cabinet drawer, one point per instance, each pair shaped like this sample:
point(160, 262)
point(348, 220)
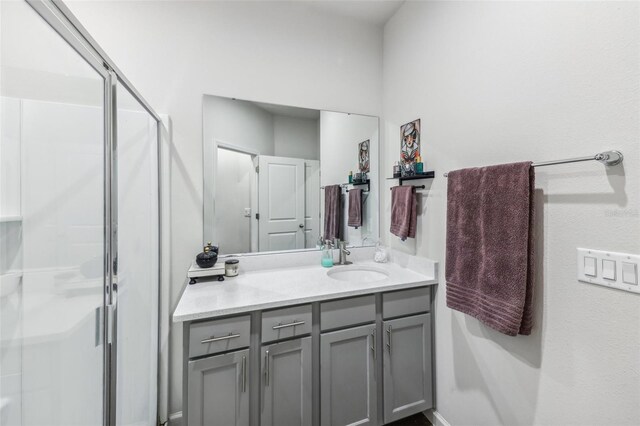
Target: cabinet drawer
point(406, 302)
point(287, 322)
point(347, 312)
point(222, 335)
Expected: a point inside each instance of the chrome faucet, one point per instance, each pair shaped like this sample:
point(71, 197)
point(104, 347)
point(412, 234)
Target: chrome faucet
point(343, 252)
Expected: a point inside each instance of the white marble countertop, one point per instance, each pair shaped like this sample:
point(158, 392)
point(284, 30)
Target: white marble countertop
point(264, 289)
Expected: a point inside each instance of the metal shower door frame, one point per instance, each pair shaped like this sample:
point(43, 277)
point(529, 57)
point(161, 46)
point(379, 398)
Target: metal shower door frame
point(59, 17)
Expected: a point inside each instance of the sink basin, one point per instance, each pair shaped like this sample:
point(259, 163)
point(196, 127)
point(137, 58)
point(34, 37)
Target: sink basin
point(357, 274)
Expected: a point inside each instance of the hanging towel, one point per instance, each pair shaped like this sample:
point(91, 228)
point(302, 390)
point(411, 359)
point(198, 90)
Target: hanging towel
point(355, 208)
point(404, 211)
point(332, 209)
point(489, 263)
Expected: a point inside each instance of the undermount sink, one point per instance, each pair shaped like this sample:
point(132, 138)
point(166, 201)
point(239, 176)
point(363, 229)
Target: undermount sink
point(358, 274)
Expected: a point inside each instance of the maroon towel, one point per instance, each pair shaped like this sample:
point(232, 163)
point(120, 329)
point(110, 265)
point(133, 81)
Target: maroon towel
point(489, 265)
point(332, 210)
point(404, 212)
point(355, 208)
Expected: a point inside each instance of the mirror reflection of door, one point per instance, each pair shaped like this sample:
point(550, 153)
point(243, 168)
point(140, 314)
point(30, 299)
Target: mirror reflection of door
point(264, 169)
point(235, 178)
point(288, 203)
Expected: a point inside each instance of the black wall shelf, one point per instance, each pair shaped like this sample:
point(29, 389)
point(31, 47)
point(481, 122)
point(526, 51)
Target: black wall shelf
point(367, 182)
point(426, 175)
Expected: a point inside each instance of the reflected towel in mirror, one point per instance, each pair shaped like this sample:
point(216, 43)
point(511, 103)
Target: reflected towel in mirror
point(355, 208)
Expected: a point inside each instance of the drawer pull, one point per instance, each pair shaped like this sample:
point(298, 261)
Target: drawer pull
point(291, 324)
point(218, 339)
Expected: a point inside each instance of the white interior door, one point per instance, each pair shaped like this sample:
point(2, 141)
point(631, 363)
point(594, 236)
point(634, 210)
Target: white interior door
point(311, 203)
point(281, 199)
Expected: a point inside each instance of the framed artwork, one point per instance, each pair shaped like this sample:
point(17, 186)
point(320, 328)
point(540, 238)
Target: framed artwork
point(410, 146)
point(363, 156)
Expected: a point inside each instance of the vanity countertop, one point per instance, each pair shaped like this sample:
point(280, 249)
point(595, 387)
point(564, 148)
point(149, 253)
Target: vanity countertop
point(265, 289)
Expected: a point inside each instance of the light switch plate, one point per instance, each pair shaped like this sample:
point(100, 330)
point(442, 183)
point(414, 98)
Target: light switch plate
point(616, 270)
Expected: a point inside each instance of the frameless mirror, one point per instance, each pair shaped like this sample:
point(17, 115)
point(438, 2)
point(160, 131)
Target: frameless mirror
point(266, 168)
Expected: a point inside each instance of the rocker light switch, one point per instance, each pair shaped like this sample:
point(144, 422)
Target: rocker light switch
point(590, 266)
point(609, 269)
point(629, 273)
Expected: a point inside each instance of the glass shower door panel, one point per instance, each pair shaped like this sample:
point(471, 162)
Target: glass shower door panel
point(52, 139)
point(138, 264)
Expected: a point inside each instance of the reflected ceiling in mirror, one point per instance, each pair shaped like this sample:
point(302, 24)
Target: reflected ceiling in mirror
point(266, 171)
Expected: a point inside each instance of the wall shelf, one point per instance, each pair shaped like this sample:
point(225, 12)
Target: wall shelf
point(367, 182)
point(426, 175)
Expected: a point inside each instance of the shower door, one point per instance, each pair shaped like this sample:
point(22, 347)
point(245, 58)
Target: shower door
point(136, 301)
point(79, 229)
point(52, 220)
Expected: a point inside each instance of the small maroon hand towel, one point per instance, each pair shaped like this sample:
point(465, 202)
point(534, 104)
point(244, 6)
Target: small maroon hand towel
point(489, 264)
point(332, 211)
point(404, 212)
point(355, 208)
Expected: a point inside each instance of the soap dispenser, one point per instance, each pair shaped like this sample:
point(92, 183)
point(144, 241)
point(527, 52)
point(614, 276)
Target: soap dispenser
point(327, 255)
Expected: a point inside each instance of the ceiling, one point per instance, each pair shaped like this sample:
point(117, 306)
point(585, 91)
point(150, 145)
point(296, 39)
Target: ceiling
point(289, 111)
point(376, 12)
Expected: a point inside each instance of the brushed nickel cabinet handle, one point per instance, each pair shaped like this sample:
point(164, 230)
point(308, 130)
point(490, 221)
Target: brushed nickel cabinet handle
point(373, 346)
point(244, 374)
point(389, 338)
point(291, 324)
point(266, 368)
point(218, 339)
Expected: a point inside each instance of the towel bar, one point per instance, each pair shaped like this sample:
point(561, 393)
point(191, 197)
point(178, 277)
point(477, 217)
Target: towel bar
point(608, 158)
point(415, 187)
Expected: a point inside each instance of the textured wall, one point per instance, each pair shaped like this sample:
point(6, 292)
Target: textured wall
point(497, 82)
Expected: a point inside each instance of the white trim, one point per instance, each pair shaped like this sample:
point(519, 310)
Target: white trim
point(233, 147)
point(436, 418)
point(165, 266)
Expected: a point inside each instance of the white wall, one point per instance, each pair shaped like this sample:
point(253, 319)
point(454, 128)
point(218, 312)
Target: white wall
point(174, 52)
point(239, 123)
point(296, 137)
point(340, 135)
point(497, 82)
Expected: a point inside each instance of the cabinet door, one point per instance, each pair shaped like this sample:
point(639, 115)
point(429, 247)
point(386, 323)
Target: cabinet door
point(218, 390)
point(347, 377)
point(407, 366)
point(286, 383)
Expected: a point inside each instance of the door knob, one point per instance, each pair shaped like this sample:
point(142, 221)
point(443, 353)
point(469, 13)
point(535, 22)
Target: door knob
point(301, 226)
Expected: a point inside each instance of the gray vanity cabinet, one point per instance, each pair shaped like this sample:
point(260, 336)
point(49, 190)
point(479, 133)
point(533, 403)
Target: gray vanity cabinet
point(348, 377)
point(218, 390)
point(361, 360)
point(286, 383)
point(407, 366)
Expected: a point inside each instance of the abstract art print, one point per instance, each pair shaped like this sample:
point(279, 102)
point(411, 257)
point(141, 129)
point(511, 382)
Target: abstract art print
point(363, 156)
point(410, 146)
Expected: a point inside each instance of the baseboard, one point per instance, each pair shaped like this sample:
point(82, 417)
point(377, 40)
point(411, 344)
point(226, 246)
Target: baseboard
point(175, 419)
point(434, 417)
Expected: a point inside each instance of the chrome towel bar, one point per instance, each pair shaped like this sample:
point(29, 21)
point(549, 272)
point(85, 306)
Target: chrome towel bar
point(608, 158)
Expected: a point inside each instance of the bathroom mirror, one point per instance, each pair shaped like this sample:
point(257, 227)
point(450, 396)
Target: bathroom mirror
point(265, 170)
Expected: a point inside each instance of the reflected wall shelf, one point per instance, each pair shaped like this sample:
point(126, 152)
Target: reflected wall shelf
point(426, 175)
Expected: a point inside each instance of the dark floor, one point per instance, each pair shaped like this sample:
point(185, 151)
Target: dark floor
point(415, 420)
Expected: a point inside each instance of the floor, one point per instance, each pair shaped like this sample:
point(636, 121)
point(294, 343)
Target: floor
point(415, 420)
